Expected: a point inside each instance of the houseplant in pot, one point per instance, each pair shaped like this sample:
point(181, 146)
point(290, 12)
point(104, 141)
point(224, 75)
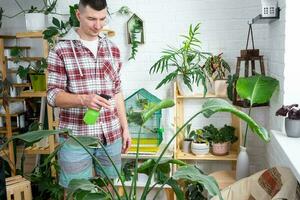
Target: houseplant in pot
point(36, 73)
point(216, 68)
point(220, 139)
point(188, 138)
point(256, 89)
point(184, 65)
point(200, 144)
point(292, 119)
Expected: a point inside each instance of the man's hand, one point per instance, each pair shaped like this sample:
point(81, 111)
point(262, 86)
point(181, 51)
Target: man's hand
point(95, 101)
point(126, 139)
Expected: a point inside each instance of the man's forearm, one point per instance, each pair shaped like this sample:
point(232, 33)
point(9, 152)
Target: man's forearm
point(121, 110)
point(68, 100)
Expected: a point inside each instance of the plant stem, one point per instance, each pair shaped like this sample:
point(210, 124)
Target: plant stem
point(103, 171)
point(247, 127)
point(146, 189)
point(161, 187)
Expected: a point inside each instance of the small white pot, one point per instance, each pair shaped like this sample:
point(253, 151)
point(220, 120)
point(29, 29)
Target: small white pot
point(184, 89)
point(199, 148)
point(220, 88)
point(35, 21)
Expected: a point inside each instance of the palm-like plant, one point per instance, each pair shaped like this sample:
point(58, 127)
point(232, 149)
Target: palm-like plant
point(185, 61)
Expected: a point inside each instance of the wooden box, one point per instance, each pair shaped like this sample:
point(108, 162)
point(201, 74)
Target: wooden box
point(18, 188)
point(246, 53)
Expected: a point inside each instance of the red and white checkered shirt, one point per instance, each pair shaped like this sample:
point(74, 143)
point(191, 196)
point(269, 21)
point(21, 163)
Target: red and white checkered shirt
point(93, 75)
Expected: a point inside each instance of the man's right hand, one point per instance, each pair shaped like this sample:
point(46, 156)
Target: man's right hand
point(95, 101)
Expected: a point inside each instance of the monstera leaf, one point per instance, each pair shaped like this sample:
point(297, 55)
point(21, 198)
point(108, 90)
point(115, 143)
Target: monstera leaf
point(257, 89)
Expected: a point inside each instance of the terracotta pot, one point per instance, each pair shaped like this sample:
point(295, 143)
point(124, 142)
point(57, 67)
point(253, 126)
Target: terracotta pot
point(220, 149)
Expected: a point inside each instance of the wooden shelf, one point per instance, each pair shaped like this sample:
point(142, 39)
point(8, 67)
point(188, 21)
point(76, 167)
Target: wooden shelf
point(38, 150)
point(7, 37)
point(12, 114)
point(200, 96)
point(4, 153)
point(28, 59)
point(31, 93)
point(20, 47)
point(232, 156)
point(21, 84)
point(35, 34)
point(3, 130)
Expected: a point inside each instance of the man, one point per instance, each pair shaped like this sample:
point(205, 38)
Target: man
point(83, 65)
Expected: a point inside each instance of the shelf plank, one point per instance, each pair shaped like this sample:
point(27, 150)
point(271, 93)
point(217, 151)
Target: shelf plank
point(201, 96)
point(4, 153)
point(12, 114)
point(28, 59)
point(21, 84)
point(3, 130)
point(33, 34)
point(232, 156)
point(20, 47)
point(31, 93)
point(7, 36)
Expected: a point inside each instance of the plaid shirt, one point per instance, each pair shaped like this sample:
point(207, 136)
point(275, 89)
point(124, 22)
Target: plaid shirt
point(93, 75)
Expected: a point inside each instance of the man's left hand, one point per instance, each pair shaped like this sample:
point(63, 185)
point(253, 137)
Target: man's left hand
point(126, 141)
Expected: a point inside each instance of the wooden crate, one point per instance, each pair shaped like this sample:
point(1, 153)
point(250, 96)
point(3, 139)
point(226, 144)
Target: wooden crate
point(18, 188)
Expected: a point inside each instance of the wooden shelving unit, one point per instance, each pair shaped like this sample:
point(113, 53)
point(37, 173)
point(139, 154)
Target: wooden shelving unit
point(179, 121)
point(31, 93)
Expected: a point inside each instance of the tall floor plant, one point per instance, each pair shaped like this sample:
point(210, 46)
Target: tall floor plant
point(85, 189)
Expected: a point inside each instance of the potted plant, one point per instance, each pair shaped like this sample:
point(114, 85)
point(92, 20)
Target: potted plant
point(184, 64)
point(220, 139)
point(216, 68)
point(292, 119)
point(200, 144)
point(35, 17)
point(36, 73)
point(188, 138)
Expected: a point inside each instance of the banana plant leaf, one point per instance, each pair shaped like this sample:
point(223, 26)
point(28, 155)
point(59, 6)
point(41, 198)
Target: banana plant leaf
point(193, 174)
point(213, 106)
point(163, 166)
point(257, 89)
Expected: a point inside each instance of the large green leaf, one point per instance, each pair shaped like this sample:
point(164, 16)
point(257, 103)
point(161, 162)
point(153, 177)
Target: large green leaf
point(212, 106)
point(257, 89)
point(193, 174)
point(163, 166)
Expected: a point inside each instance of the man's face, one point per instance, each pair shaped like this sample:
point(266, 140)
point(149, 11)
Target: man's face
point(91, 21)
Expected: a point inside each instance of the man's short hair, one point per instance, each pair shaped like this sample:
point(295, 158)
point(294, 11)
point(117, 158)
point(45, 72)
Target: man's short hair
point(95, 4)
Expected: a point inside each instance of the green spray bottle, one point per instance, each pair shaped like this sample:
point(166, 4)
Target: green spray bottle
point(91, 115)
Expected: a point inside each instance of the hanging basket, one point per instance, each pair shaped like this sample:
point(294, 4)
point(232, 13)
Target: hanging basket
point(246, 53)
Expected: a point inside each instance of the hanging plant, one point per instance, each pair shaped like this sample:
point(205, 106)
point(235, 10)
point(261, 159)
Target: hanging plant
point(135, 34)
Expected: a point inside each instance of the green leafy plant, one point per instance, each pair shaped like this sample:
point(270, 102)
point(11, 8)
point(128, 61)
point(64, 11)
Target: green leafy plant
point(216, 67)
point(199, 136)
point(189, 134)
point(183, 61)
point(47, 8)
point(224, 134)
point(185, 173)
point(257, 90)
point(136, 27)
point(231, 79)
point(37, 68)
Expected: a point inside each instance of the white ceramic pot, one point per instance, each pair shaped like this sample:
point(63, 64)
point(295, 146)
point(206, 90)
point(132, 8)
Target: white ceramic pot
point(242, 164)
point(220, 88)
point(184, 89)
point(199, 148)
point(186, 146)
point(35, 21)
point(292, 127)
point(220, 149)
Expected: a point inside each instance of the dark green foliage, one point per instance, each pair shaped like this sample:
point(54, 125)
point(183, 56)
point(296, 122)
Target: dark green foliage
point(195, 192)
point(224, 134)
point(231, 79)
point(136, 27)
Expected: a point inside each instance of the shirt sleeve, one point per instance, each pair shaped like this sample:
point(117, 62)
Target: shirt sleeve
point(117, 67)
point(57, 78)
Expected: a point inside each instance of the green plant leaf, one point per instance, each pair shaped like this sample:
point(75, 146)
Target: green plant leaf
point(166, 103)
point(56, 22)
point(193, 174)
point(213, 106)
point(257, 89)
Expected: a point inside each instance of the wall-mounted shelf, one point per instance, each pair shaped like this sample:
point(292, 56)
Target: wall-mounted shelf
point(265, 20)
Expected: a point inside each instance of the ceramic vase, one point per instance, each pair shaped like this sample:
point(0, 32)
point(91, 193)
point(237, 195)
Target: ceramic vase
point(242, 165)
